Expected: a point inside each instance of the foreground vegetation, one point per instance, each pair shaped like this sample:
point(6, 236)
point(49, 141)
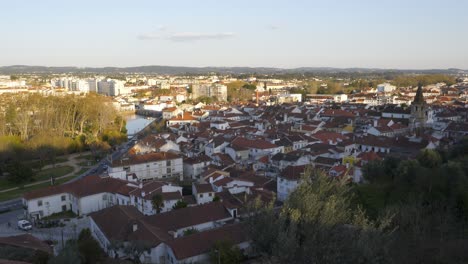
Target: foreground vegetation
point(412, 211)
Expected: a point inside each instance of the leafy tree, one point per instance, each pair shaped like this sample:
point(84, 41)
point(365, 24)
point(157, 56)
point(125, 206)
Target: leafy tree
point(89, 248)
point(19, 173)
point(158, 202)
point(429, 158)
point(180, 204)
point(69, 254)
point(319, 222)
point(249, 86)
point(190, 231)
point(224, 252)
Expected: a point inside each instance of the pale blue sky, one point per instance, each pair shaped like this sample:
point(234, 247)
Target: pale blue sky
point(288, 33)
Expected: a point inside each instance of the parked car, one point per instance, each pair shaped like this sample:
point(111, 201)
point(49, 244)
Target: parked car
point(24, 225)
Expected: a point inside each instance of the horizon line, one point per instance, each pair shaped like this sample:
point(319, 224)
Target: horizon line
point(252, 67)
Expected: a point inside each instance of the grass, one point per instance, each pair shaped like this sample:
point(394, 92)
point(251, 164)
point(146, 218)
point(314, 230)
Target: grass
point(53, 172)
point(66, 214)
point(88, 163)
point(83, 170)
point(36, 164)
point(87, 157)
point(6, 184)
point(40, 176)
point(19, 192)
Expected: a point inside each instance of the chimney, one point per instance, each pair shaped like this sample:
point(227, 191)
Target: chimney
point(140, 185)
point(375, 123)
point(135, 227)
point(143, 194)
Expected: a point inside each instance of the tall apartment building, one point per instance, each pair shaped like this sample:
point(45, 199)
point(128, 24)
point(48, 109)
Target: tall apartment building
point(110, 87)
point(153, 165)
point(210, 90)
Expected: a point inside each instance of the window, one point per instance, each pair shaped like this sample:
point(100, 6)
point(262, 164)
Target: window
point(200, 195)
point(126, 168)
point(104, 196)
point(64, 208)
point(147, 165)
point(210, 194)
point(39, 203)
point(64, 197)
point(169, 170)
point(168, 163)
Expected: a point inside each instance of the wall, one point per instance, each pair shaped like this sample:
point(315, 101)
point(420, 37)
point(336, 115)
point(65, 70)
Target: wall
point(93, 203)
point(50, 204)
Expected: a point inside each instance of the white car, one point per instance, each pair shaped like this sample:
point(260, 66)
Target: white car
point(24, 225)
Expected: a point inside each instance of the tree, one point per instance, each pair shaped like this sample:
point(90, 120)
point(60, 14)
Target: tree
point(158, 202)
point(69, 254)
point(429, 158)
point(180, 204)
point(19, 173)
point(190, 231)
point(90, 251)
point(319, 222)
point(224, 252)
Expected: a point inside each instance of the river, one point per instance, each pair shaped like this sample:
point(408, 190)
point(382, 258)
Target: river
point(135, 123)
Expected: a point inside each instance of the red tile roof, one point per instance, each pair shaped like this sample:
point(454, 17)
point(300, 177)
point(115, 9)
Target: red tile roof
point(26, 241)
point(202, 242)
point(84, 187)
point(145, 158)
point(293, 173)
point(189, 216)
point(250, 143)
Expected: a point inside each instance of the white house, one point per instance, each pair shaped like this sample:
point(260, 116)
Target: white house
point(257, 147)
point(86, 195)
point(385, 88)
point(194, 166)
point(126, 225)
point(142, 196)
point(288, 181)
point(154, 165)
point(203, 192)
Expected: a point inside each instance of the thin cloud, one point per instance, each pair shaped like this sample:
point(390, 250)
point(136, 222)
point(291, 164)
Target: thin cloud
point(187, 36)
point(273, 27)
point(148, 36)
point(192, 36)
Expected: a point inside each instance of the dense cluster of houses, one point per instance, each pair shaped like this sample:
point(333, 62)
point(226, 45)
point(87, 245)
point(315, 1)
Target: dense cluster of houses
point(231, 155)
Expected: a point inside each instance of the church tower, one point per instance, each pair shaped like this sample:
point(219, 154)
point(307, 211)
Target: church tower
point(420, 111)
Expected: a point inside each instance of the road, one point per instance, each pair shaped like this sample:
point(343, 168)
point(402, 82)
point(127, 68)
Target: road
point(71, 230)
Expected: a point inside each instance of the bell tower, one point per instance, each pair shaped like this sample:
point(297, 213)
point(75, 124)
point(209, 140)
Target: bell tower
point(419, 111)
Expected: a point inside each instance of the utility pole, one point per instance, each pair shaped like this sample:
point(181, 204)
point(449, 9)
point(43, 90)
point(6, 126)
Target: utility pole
point(62, 238)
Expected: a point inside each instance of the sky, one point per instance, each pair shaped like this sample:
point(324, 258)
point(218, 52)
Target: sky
point(399, 34)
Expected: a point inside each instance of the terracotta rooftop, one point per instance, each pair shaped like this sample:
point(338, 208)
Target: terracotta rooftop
point(26, 241)
point(145, 158)
point(84, 187)
point(189, 216)
point(203, 242)
point(293, 172)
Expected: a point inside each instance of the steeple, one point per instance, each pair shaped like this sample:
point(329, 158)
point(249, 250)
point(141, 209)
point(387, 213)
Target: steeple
point(419, 98)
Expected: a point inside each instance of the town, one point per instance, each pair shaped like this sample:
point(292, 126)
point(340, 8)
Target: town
point(217, 144)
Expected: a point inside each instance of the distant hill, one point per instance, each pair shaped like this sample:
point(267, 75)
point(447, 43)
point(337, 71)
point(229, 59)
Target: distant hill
point(175, 70)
